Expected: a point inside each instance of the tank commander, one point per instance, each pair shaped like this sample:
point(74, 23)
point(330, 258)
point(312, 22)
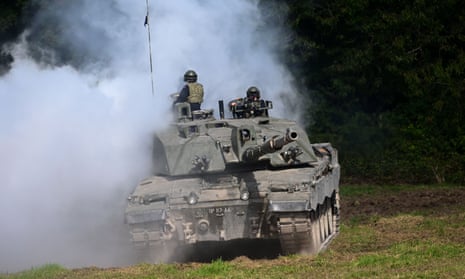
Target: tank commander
point(253, 105)
point(192, 92)
point(250, 106)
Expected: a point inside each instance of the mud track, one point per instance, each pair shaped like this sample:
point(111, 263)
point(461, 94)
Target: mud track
point(434, 201)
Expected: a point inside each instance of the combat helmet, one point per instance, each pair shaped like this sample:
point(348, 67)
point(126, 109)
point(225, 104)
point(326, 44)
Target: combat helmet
point(190, 76)
point(253, 93)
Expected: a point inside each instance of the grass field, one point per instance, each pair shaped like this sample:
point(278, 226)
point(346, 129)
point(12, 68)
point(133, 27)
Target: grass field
point(386, 232)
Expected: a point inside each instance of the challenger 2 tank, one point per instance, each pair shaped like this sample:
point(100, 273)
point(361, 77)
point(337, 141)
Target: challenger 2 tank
point(250, 176)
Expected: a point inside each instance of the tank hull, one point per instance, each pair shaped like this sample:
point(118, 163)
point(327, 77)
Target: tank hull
point(299, 206)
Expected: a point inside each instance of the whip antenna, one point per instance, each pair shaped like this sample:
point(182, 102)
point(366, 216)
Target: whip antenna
point(147, 24)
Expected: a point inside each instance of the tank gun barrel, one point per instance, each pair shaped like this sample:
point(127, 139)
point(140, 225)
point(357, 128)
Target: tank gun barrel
point(272, 145)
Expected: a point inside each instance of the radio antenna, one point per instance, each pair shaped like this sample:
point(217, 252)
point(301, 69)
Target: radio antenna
point(147, 24)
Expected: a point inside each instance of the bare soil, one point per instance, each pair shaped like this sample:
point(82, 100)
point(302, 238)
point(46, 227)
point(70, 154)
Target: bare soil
point(434, 201)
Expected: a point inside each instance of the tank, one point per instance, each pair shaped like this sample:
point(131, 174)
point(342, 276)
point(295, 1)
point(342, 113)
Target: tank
point(249, 176)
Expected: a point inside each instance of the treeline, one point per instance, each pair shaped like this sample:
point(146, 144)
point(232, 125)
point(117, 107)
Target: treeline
point(11, 25)
point(48, 36)
point(386, 82)
point(383, 80)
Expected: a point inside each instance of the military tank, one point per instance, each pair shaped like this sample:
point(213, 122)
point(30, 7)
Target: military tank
point(249, 176)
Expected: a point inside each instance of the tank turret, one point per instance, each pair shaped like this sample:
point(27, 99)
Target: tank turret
point(248, 177)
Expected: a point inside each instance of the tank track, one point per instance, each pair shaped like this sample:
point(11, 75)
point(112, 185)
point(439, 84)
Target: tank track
point(309, 233)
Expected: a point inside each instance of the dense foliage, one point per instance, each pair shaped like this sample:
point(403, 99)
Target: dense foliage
point(384, 80)
point(387, 83)
point(10, 26)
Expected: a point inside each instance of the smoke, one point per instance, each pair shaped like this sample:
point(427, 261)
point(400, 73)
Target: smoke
point(76, 118)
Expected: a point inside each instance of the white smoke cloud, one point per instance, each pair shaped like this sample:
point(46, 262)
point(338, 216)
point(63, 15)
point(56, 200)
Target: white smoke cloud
point(74, 143)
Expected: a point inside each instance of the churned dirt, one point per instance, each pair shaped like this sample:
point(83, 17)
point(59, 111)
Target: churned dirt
point(397, 216)
point(434, 201)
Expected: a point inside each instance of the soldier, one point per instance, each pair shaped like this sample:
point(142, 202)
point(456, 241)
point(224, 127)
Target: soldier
point(192, 92)
point(254, 106)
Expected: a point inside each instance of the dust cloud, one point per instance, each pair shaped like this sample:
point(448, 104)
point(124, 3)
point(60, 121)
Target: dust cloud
point(75, 136)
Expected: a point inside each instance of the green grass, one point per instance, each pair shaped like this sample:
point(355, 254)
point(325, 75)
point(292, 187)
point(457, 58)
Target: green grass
point(217, 268)
point(43, 272)
point(405, 245)
point(413, 259)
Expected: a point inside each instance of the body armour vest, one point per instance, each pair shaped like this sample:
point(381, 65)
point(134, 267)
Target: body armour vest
point(195, 93)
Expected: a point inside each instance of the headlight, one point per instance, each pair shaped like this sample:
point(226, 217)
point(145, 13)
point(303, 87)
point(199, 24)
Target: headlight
point(192, 198)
